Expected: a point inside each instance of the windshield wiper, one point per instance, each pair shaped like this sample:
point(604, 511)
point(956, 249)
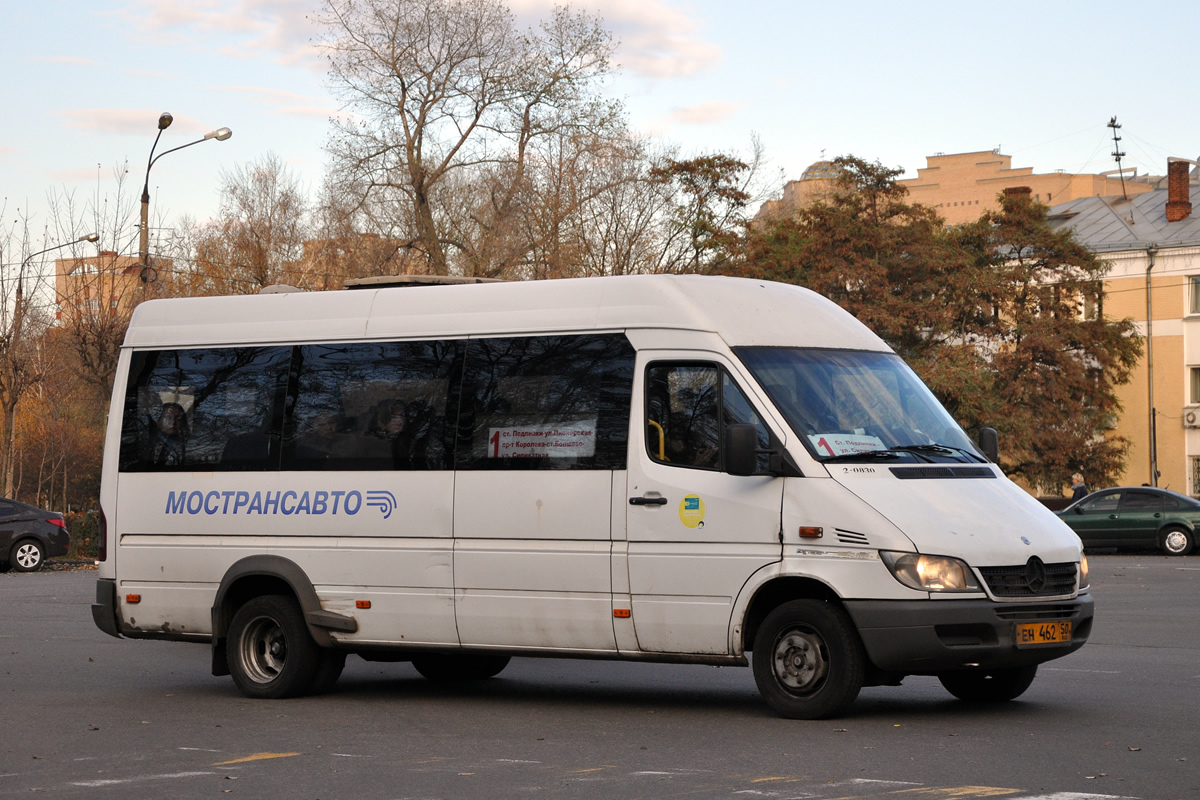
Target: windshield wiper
point(935, 448)
point(893, 452)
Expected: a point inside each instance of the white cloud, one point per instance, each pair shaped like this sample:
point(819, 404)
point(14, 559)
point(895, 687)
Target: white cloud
point(136, 121)
point(658, 39)
point(276, 29)
point(85, 62)
point(702, 114)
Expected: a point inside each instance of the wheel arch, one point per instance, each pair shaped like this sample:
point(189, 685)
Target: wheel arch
point(255, 576)
point(772, 593)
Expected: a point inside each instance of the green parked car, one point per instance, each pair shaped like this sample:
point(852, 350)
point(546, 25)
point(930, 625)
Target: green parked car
point(1135, 517)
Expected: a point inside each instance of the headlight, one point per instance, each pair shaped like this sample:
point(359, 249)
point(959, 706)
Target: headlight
point(1084, 581)
point(930, 573)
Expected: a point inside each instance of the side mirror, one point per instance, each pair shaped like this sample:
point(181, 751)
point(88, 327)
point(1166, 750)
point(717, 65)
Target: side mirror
point(989, 443)
point(741, 449)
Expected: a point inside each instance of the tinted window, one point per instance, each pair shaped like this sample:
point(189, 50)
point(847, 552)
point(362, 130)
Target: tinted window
point(207, 410)
point(7, 510)
point(546, 402)
point(1101, 503)
point(1141, 501)
point(687, 407)
point(372, 405)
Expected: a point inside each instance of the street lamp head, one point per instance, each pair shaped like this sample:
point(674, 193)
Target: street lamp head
point(89, 237)
point(220, 134)
point(164, 120)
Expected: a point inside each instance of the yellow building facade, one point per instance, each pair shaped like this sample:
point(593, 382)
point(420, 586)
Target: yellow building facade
point(1151, 243)
point(962, 186)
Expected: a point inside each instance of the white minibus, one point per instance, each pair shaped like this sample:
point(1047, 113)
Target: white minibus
point(683, 469)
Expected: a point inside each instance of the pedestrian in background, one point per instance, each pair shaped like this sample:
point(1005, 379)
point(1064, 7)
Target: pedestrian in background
point(1079, 489)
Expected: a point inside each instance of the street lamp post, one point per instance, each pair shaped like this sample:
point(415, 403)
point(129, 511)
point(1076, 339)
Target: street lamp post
point(18, 307)
point(164, 121)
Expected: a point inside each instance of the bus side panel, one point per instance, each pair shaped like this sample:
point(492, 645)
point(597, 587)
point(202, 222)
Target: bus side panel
point(356, 535)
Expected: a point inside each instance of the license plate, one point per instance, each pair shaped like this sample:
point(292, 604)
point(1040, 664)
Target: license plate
point(1035, 633)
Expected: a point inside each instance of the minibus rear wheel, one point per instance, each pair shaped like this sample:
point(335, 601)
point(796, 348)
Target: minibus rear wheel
point(270, 652)
point(330, 664)
point(446, 668)
point(808, 660)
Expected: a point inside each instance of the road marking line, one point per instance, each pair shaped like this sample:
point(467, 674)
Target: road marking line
point(958, 791)
point(255, 757)
point(140, 778)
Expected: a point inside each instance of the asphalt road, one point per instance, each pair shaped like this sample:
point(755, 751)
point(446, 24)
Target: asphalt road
point(86, 715)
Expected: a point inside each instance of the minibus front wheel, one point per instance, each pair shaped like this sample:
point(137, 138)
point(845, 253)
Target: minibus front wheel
point(271, 654)
point(808, 660)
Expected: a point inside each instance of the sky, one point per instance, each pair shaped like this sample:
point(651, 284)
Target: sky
point(887, 81)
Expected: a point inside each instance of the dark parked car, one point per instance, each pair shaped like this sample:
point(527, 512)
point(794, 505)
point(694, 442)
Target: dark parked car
point(28, 535)
point(1135, 517)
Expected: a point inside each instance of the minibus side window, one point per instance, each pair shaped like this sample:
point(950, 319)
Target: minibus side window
point(546, 402)
point(204, 410)
point(372, 405)
point(687, 408)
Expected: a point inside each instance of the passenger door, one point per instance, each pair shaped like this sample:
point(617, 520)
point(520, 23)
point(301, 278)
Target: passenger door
point(695, 532)
point(1097, 520)
point(1140, 517)
point(543, 436)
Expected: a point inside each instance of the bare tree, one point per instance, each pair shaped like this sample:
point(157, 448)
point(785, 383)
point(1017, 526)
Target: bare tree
point(258, 239)
point(444, 93)
point(25, 314)
point(96, 294)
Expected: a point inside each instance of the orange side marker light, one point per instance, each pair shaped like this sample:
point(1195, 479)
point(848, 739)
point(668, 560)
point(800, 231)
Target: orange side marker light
point(133, 598)
point(362, 603)
point(621, 613)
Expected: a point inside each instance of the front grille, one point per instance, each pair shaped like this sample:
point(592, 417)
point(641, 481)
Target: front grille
point(1034, 613)
point(1031, 579)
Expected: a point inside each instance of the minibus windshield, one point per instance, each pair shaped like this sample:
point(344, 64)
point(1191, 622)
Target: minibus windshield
point(851, 405)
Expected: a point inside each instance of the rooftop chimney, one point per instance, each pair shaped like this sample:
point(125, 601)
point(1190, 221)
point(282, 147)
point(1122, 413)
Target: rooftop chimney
point(1179, 191)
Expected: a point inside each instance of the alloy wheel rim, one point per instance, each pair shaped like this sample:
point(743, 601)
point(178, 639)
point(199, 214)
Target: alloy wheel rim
point(27, 556)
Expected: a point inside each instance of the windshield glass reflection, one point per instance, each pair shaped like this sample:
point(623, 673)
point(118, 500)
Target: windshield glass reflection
point(854, 405)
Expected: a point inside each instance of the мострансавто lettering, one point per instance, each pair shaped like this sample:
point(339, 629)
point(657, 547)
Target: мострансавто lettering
point(286, 502)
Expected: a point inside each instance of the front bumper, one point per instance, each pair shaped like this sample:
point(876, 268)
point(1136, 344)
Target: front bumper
point(926, 637)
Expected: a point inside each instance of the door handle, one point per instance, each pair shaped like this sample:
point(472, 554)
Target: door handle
point(648, 501)
point(1112, 516)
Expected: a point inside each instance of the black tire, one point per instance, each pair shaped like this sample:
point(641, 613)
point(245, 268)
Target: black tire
point(808, 660)
point(27, 555)
point(1176, 541)
point(444, 668)
point(329, 668)
point(270, 652)
point(988, 685)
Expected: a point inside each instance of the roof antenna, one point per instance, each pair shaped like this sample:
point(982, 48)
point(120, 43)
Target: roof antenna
point(1117, 153)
